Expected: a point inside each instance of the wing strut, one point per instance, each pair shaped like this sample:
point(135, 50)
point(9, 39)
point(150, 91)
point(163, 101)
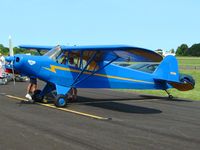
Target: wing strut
point(92, 73)
point(89, 61)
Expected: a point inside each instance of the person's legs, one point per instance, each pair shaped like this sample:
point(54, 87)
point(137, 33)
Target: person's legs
point(69, 94)
point(31, 88)
point(74, 94)
point(28, 94)
point(28, 88)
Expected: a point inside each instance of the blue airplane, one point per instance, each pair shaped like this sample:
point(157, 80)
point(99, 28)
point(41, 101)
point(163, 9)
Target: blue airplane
point(95, 68)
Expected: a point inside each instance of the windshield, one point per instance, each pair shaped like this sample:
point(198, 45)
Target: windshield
point(54, 52)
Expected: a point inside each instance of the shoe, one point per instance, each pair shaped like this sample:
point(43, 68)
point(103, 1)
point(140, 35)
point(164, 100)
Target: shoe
point(28, 96)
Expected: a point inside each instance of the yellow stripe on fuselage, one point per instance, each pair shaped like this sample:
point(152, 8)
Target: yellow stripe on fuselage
point(53, 69)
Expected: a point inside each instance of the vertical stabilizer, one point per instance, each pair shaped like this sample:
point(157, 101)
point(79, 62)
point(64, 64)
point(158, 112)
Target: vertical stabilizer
point(167, 70)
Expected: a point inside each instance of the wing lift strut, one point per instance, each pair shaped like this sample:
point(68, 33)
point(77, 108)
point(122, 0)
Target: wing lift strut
point(77, 81)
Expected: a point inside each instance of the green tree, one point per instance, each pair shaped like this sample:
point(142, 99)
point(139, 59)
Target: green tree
point(3, 50)
point(182, 50)
point(194, 50)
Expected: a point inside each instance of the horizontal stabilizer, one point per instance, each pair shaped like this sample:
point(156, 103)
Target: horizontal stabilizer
point(185, 86)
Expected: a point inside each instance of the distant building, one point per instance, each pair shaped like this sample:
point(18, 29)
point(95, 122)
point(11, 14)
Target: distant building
point(165, 53)
point(159, 51)
point(168, 53)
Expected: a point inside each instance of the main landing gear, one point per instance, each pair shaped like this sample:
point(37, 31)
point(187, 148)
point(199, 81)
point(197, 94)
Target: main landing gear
point(37, 96)
point(61, 100)
point(169, 95)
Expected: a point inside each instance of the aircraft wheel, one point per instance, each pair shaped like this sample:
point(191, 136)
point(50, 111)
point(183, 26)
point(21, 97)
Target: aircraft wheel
point(170, 97)
point(37, 97)
point(61, 100)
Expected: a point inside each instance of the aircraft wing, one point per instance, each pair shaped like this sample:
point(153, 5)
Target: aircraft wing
point(109, 52)
point(37, 47)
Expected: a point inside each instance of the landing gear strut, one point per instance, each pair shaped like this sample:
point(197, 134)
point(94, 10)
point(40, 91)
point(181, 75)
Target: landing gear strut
point(169, 95)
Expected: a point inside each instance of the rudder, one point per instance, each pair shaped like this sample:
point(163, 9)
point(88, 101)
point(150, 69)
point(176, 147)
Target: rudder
point(167, 70)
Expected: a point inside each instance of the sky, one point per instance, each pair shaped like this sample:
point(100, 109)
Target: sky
point(151, 24)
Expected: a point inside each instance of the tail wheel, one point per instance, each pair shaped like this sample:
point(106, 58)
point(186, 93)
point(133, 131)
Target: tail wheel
point(37, 97)
point(170, 97)
point(61, 100)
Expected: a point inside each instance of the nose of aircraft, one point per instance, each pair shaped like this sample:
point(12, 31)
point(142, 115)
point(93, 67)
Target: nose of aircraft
point(14, 61)
point(10, 58)
point(23, 64)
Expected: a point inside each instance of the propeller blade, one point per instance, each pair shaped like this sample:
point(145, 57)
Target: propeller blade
point(10, 47)
point(11, 58)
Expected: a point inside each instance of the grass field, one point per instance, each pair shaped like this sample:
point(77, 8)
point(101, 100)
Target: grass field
point(189, 61)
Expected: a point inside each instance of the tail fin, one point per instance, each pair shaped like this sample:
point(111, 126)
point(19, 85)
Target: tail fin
point(167, 70)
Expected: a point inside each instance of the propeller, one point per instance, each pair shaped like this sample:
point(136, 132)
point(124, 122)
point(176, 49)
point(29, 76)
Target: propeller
point(10, 58)
point(11, 53)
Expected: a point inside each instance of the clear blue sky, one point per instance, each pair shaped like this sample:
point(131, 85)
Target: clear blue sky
point(150, 24)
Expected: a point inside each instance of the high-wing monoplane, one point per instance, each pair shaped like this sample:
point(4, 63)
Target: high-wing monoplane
point(95, 69)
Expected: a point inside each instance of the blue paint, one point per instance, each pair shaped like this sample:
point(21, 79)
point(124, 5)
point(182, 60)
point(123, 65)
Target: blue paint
point(63, 77)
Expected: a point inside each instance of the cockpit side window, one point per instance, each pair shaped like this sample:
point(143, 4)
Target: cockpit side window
point(78, 59)
point(62, 59)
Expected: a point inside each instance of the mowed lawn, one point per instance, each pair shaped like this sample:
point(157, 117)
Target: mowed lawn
point(192, 94)
point(188, 61)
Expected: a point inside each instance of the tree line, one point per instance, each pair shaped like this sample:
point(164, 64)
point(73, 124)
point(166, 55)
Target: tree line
point(182, 50)
point(17, 50)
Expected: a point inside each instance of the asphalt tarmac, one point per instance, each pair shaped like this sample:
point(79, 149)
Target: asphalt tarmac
point(123, 121)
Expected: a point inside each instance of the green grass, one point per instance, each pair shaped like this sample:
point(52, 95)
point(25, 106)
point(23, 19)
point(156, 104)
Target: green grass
point(188, 61)
point(192, 94)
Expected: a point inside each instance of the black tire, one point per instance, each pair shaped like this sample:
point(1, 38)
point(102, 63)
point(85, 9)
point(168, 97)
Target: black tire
point(170, 97)
point(37, 97)
point(61, 101)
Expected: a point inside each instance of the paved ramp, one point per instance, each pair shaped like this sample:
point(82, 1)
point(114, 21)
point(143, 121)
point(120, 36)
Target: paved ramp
point(135, 122)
